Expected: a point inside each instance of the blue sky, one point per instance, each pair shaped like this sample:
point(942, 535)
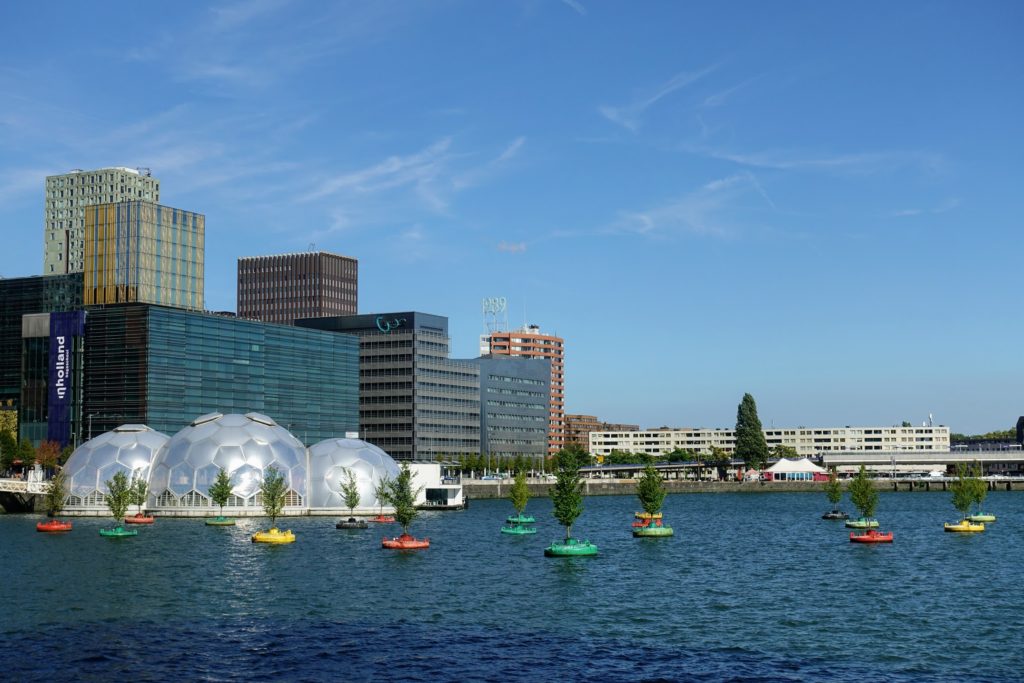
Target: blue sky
point(816, 203)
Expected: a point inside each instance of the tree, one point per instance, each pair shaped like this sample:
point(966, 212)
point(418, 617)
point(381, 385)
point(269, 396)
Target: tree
point(8, 449)
point(65, 453)
point(783, 451)
point(402, 497)
point(220, 490)
point(751, 446)
point(56, 494)
point(380, 491)
point(979, 489)
point(119, 495)
point(567, 494)
point(26, 453)
point(520, 492)
point(8, 419)
point(47, 453)
point(650, 489)
point(963, 489)
point(138, 490)
point(833, 489)
point(350, 491)
point(863, 494)
point(272, 490)
point(720, 460)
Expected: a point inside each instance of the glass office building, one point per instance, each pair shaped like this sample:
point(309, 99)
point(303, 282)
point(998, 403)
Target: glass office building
point(515, 397)
point(162, 366)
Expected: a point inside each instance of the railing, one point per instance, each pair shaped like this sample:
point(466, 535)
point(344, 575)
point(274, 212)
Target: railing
point(22, 486)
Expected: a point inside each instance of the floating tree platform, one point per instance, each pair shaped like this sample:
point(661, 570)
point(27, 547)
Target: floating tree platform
point(520, 519)
point(139, 519)
point(352, 523)
point(54, 526)
point(274, 535)
point(571, 548)
point(862, 523)
point(405, 542)
point(964, 526)
point(871, 536)
point(382, 519)
point(518, 529)
point(982, 517)
point(119, 532)
point(220, 521)
point(652, 531)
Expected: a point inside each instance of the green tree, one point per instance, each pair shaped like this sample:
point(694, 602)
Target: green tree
point(520, 492)
point(8, 449)
point(979, 489)
point(220, 490)
point(863, 494)
point(650, 489)
point(65, 453)
point(56, 494)
point(272, 491)
point(783, 451)
point(26, 453)
point(380, 491)
point(119, 495)
point(138, 490)
point(350, 491)
point(567, 493)
point(963, 489)
point(402, 497)
point(720, 460)
point(834, 490)
point(751, 446)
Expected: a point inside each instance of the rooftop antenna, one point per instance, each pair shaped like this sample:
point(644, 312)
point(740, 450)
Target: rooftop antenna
point(495, 311)
point(312, 246)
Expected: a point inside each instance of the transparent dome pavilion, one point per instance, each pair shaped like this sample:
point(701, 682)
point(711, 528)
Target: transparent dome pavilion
point(329, 461)
point(129, 449)
point(245, 446)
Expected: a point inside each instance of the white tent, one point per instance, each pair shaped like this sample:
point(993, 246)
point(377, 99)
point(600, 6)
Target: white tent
point(801, 465)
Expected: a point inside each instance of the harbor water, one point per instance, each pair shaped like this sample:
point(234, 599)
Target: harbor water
point(751, 587)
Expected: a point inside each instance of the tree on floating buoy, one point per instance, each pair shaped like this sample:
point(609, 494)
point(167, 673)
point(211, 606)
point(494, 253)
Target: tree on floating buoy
point(520, 492)
point(220, 490)
point(56, 494)
point(272, 491)
point(964, 488)
point(567, 493)
point(650, 489)
point(834, 490)
point(119, 496)
point(138, 491)
point(380, 491)
point(350, 491)
point(979, 489)
point(863, 494)
point(402, 497)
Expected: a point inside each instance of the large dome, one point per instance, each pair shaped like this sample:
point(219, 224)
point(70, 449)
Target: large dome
point(245, 446)
point(328, 461)
point(129, 449)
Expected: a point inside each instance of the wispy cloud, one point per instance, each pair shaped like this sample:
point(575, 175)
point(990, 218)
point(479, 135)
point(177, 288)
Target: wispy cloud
point(477, 175)
point(719, 98)
point(861, 162)
point(629, 115)
point(943, 207)
point(512, 247)
point(576, 7)
point(700, 212)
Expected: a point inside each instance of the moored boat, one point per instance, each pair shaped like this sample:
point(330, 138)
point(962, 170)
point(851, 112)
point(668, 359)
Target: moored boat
point(571, 548)
point(273, 535)
point(53, 526)
point(139, 518)
point(405, 542)
point(871, 536)
point(964, 526)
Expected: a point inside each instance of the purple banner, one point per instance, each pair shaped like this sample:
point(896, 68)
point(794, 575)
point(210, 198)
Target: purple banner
point(64, 327)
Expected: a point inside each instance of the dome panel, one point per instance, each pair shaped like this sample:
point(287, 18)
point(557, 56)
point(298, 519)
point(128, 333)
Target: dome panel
point(131, 448)
point(328, 462)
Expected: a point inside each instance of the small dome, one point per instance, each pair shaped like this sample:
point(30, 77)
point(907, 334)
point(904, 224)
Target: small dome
point(245, 446)
point(129, 449)
point(328, 461)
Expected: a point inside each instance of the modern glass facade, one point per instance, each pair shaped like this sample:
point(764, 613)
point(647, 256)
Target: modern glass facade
point(515, 395)
point(141, 252)
point(38, 400)
point(414, 402)
point(163, 366)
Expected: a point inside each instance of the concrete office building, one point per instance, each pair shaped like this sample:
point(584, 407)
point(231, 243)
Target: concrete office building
point(530, 342)
point(141, 252)
point(69, 194)
point(286, 287)
point(414, 402)
point(515, 397)
point(578, 428)
point(806, 441)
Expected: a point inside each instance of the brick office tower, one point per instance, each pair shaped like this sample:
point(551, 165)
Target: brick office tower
point(530, 342)
point(285, 287)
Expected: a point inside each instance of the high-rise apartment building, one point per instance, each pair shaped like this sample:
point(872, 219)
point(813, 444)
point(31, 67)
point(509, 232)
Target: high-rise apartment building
point(285, 287)
point(141, 252)
point(414, 401)
point(68, 195)
point(530, 342)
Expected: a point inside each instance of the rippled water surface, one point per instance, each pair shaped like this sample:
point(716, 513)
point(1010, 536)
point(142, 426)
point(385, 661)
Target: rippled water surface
point(752, 587)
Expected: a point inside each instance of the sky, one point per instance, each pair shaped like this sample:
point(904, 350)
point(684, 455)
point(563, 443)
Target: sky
point(816, 203)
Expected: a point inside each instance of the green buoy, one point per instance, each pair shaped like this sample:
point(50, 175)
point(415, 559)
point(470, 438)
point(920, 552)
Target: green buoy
point(652, 531)
point(862, 523)
point(520, 519)
point(220, 521)
point(571, 548)
point(518, 530)
point(119, 532)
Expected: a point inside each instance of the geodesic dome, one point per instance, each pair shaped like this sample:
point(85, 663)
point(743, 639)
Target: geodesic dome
point(328, 461)
point(245, 446)
point(129, 449)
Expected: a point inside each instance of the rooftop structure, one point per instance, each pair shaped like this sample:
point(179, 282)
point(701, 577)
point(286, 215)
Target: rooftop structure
point(285, 287)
